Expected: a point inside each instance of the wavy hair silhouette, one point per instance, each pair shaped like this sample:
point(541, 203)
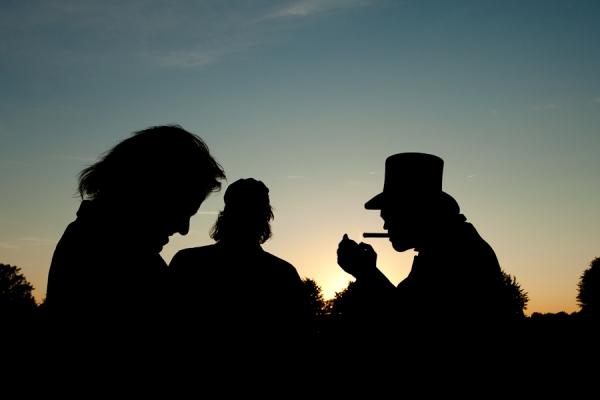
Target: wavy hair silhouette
point(166, 153)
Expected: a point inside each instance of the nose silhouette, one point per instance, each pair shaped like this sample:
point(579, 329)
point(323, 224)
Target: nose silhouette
point(183, 227)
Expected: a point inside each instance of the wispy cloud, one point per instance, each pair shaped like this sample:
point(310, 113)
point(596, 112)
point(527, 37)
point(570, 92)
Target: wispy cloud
point(14, 163)
point(546, 107)
point(147, 33)
point(355, 182)
point(298, 178)
point(243, 34)
point(140, 33)
point(188, 59)
point(36, 241)
point(304, 8)
point(69, 157)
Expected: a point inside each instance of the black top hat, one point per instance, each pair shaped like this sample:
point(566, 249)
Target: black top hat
point(409, 178)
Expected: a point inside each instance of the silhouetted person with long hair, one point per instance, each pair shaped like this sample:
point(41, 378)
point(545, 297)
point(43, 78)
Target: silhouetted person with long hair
point(107, 274)
point(455, 280)
point(233, 292)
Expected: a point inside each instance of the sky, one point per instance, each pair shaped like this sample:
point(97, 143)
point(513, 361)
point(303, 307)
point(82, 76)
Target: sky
point(311, 96)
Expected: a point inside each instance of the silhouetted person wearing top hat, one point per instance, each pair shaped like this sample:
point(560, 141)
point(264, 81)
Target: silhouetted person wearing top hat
point(107, 276)
point(455, 279)
point(233, 292)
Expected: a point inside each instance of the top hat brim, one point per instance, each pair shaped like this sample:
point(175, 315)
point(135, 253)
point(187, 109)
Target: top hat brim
point(377, 202)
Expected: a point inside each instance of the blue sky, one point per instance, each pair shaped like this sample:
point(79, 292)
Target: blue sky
point(311, 97)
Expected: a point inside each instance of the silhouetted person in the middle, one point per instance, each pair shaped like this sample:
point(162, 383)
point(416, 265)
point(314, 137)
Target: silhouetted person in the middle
point(233, 292)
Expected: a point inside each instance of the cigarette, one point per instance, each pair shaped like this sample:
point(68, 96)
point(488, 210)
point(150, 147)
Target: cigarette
point(376, 235)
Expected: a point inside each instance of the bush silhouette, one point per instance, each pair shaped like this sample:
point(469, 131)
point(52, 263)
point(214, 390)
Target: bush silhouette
point(16, 299)
point(588, 296)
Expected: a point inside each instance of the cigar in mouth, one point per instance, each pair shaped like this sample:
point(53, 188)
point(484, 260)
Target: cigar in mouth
point(376, 235)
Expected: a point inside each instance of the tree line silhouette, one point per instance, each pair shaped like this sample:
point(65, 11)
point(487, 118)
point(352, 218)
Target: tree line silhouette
point(17, 304)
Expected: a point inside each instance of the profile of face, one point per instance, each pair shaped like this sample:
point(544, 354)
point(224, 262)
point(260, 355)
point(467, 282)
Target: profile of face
point(156, 219)
point(403, 227)
point(150, 184)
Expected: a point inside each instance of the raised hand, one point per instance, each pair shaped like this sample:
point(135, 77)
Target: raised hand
point(357, 259)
